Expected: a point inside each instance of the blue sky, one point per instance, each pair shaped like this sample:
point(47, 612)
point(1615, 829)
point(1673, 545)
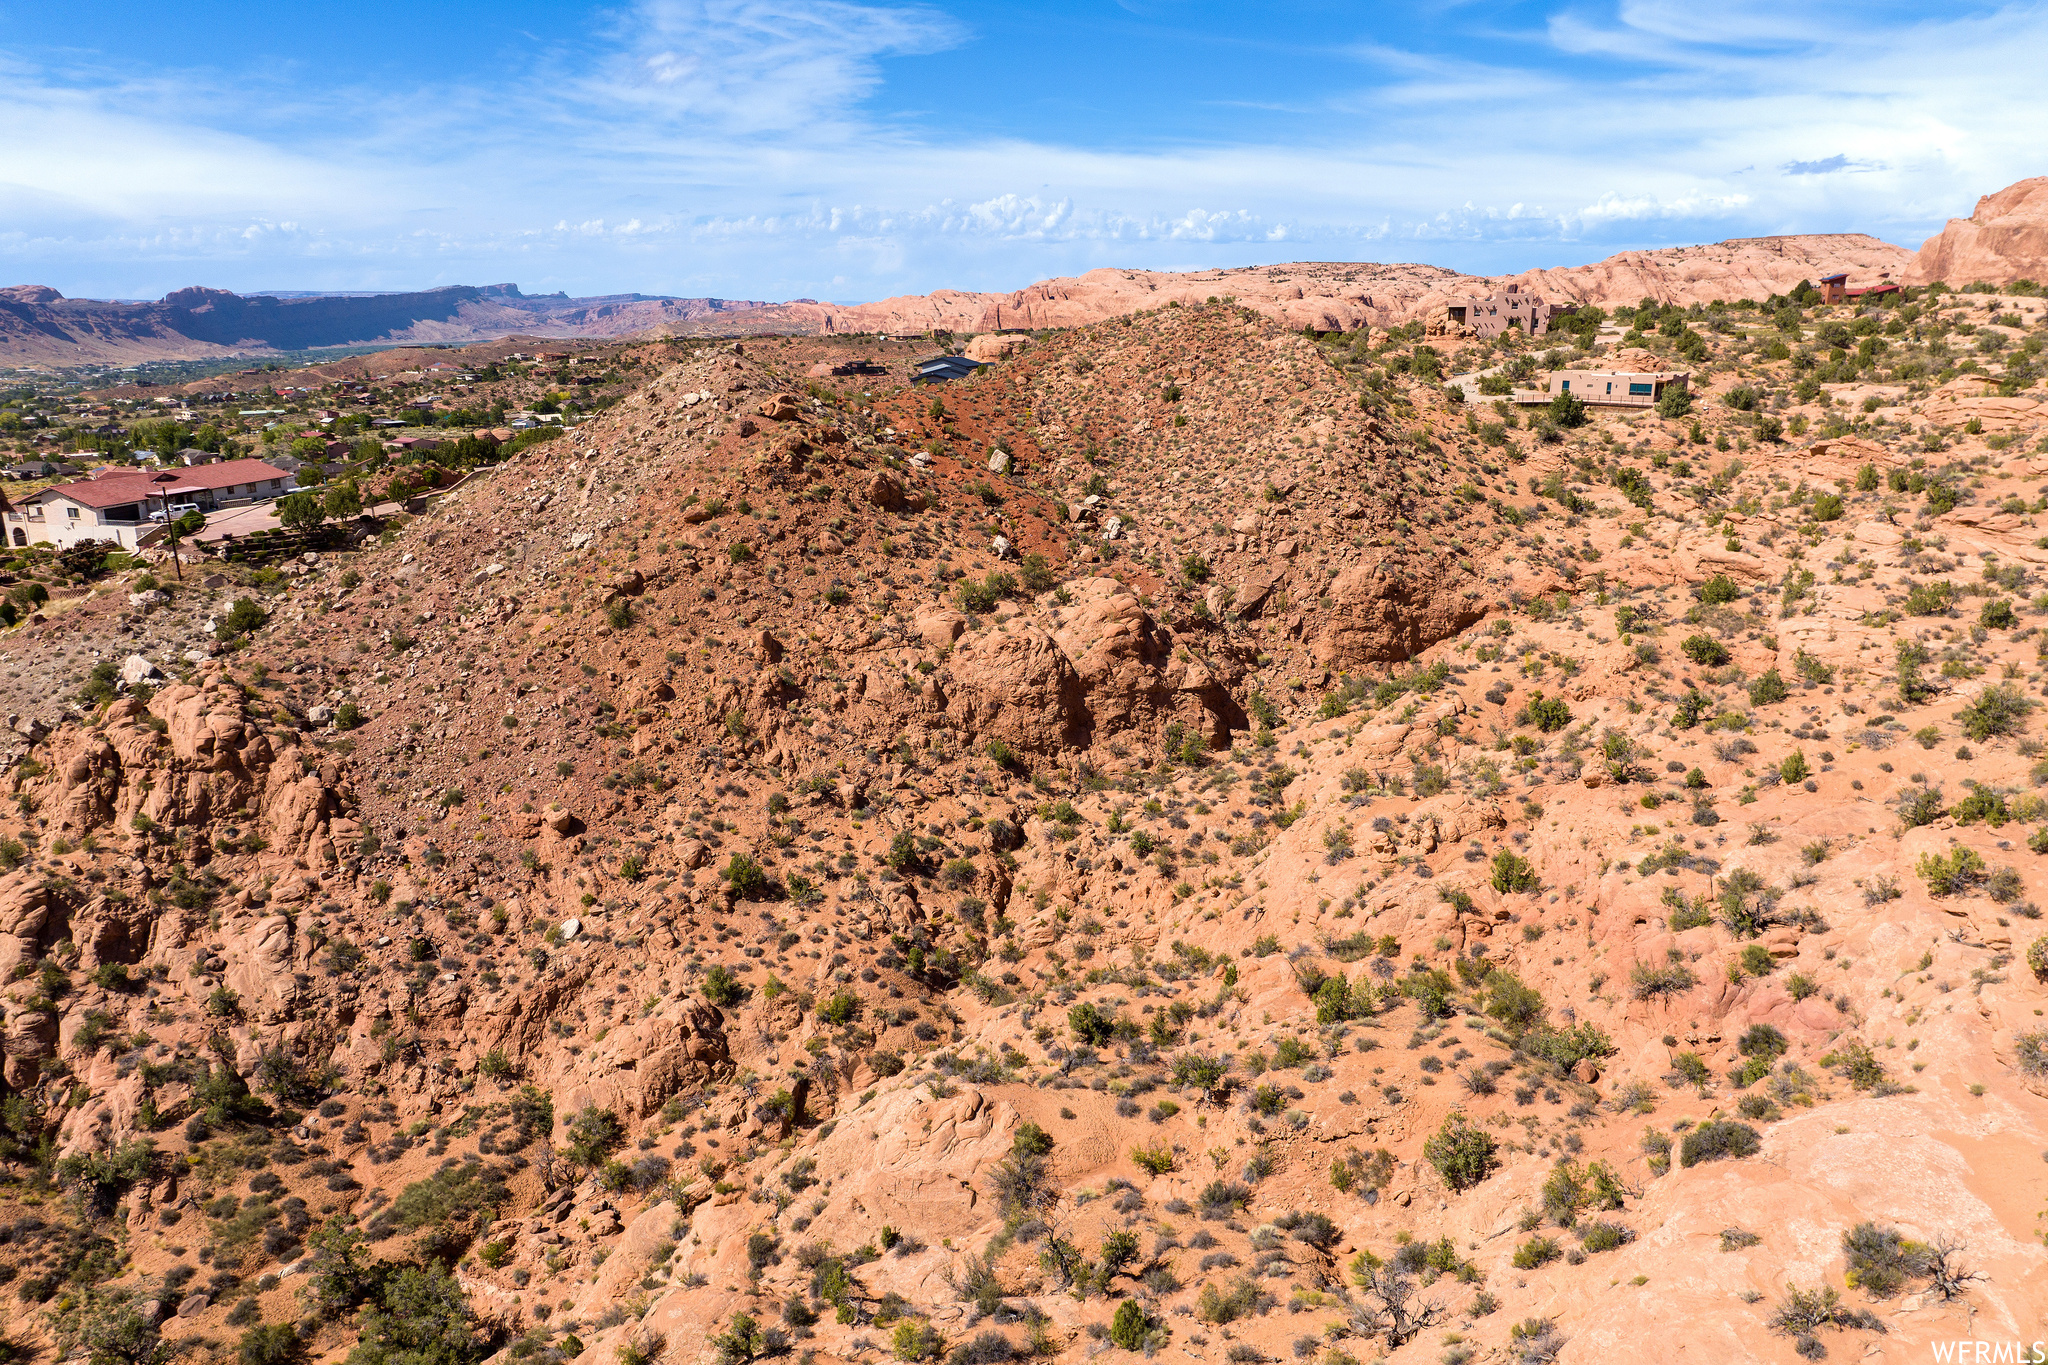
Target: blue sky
point(851, 149)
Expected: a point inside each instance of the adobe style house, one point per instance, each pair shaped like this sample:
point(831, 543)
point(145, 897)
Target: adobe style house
point(1607, 388)
point(1835, 288)
point(116, 504)
point(1469, 315)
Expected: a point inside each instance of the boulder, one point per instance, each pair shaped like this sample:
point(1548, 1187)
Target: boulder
point(885, 491)
point(1382, 614)
point(939, 626)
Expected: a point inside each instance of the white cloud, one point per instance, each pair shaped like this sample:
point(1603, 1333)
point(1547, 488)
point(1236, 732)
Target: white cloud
point(727, 146)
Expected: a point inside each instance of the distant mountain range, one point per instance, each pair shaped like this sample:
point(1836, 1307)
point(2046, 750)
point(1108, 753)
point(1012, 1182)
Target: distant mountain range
point(2005, 239)
point(38, 324)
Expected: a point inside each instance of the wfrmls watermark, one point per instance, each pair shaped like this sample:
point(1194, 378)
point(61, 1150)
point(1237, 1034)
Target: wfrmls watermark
point(1989, 1352)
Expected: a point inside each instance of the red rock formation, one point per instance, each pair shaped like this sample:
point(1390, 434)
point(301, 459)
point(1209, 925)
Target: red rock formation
point(2005, 239)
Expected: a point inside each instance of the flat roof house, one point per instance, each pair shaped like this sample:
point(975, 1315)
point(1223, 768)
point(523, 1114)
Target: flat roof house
point(1607, 388)
point(1470, 315)
point(116, 505)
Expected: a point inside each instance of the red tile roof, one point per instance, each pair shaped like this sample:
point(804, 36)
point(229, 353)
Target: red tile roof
point(125, 486)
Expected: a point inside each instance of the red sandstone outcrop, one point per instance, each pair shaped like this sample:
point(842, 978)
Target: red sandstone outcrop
point(2005, 239)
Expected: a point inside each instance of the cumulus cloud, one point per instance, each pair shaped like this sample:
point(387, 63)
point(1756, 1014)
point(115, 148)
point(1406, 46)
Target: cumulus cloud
point(736, 147)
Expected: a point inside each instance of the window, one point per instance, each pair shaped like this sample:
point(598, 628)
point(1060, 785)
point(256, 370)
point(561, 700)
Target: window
point(1610, 386)
point(1567, 386)
point(274, 483)
point(1640, 390)
point(71, 512)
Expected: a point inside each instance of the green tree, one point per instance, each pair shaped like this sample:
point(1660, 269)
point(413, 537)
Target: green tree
point(1128, 1328)
point(343, 502)
point(1568, 410)
point(420, 1317)
point(300, 512)
point(243, 617)
point(1090, 1024)
point(742, 1341)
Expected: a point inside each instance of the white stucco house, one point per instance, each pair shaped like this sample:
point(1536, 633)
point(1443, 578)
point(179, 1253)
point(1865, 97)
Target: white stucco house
point(116, 503)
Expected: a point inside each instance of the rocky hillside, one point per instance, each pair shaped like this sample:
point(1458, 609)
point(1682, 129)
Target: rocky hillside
point(1161, 846)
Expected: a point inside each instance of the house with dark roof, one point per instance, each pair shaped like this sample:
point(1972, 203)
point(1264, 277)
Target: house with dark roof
point(940, 369)
point(116, 504)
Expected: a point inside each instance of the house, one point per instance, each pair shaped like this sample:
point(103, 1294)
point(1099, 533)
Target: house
point(1607, 388)
point(38, 469)
point(1470, 315)
point(942, 368)
point(1835, 288)
point(115, 504)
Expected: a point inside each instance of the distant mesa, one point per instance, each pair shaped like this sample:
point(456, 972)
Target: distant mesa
point(38, 324)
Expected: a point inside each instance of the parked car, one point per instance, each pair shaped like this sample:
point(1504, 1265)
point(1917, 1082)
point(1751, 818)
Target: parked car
point(176, 510)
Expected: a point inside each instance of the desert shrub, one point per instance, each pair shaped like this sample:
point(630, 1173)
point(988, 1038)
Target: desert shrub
point(419, 1314)
point(1704, 650)
point(1461, 1153)
point(2000, 709)
point(985, 1348)
point(1952, 873)
point(746, 877)
point(274, 1343)
point(721, 987)
point(1881, 1261)
point(594, 1134)
point(1719, 589)
point(1512, 873)
point(1537, 1251)
point(1155, 1160)
point(1565, 1047)
point(1648, 982)
point(243, 617)
point(1090, 1025)
point(1606, 1236)
point(1549, 714)
point(1222, 1306)
point(1920, 805)
point(1717, 1140)
point(1769, 687)
point(2030, 1054)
